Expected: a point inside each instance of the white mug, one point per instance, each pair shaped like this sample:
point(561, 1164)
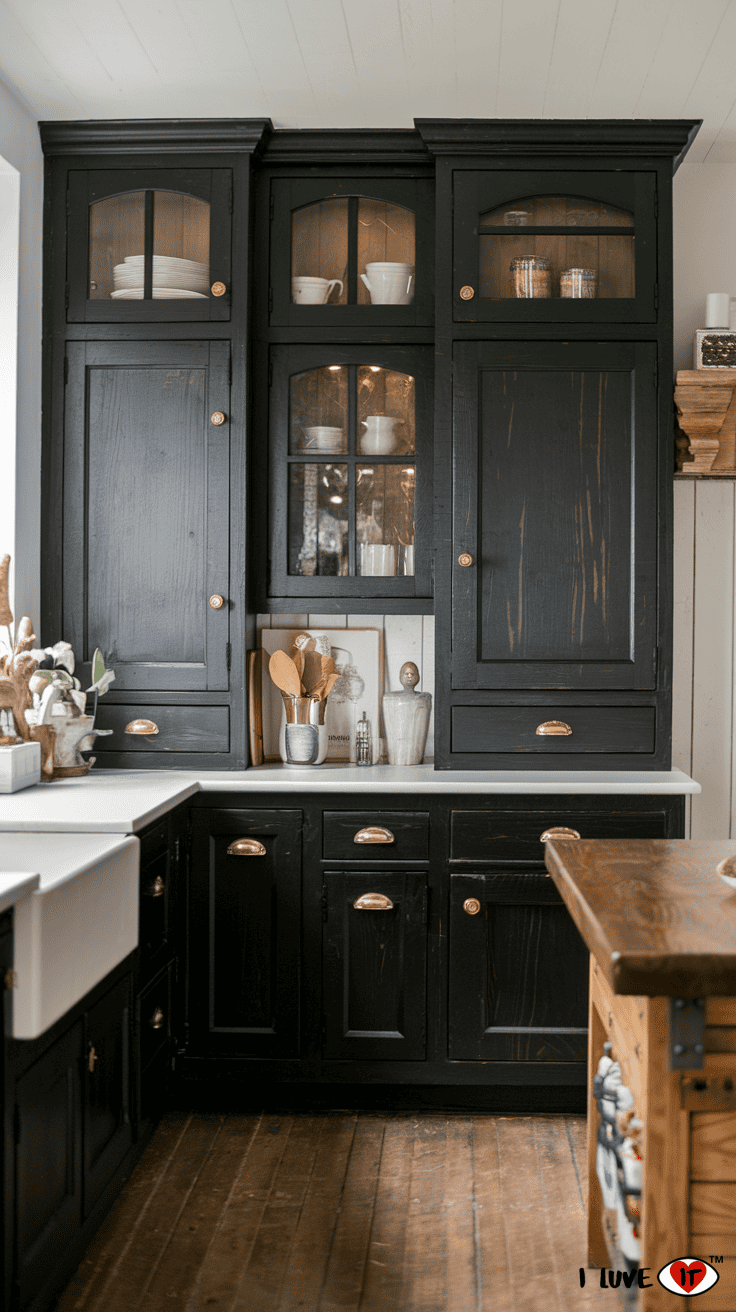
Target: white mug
point(377, 558)
point(389, 283)
point(313, 291)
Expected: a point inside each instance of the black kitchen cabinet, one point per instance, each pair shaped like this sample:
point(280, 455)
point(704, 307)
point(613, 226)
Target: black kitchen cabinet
point(341, 483)
point(560, 592)
point(106, 1114)
point(518, 973)
point(375, 965)
point(511, 227)
point(6, 1084)
point(149, 245)
point(553, 336)
point(244, 930)
point(340, 230)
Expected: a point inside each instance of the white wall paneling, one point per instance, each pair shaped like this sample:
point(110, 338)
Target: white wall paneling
point(705, 540)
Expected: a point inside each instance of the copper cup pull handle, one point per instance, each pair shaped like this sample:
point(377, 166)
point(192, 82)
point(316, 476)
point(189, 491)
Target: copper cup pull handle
point(553, 729)
point(157, 888)
point(246, 847)
point(373, 902)
point(157, 1019)
point(559, 831)
point(144, 727)
point(374, 834)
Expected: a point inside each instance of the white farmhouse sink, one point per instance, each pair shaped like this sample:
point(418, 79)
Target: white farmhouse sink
point(79, 923)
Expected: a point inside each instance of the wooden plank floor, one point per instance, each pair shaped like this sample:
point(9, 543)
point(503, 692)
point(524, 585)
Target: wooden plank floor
point(341, 1212)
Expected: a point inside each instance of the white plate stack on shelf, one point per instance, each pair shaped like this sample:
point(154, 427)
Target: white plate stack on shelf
point(172, 279)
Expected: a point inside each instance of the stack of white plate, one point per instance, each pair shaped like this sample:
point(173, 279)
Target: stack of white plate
point(172, 278)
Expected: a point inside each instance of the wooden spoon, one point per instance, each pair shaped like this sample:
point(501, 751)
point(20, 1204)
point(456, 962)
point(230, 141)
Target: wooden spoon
point(327, 666)
point(303, 642)
point(312, 672)
point(297, 657)
point(284, 674)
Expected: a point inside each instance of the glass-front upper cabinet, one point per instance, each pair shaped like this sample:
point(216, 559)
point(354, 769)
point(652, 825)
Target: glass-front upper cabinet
point(149, 245)
point(350, 472)
point(354, 252)
point(543, 247)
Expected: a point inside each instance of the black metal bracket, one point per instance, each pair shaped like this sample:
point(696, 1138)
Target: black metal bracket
point(686, 1033)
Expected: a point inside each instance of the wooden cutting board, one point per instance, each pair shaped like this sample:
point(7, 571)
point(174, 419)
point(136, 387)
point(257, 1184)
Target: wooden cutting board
point(255, 710)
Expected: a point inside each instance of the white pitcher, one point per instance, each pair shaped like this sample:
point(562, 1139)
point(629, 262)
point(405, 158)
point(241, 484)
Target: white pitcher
point(379, 438)
point(389, 283)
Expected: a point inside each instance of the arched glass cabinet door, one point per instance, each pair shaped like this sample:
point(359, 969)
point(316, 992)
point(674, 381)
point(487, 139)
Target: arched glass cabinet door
point(349, 472)
point(546, 247)
point(149, 245)
point(350, 252)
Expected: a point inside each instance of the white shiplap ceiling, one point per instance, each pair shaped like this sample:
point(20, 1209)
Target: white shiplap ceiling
point(377, 63)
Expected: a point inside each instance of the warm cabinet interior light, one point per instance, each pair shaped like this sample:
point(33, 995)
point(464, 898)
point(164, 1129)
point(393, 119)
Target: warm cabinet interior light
point(407, 471)
point(334, 368)
point(336, 501)
point(375, 368)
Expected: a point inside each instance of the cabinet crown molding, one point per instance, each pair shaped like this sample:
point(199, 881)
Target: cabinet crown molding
point(539, 137)
point(151, 135)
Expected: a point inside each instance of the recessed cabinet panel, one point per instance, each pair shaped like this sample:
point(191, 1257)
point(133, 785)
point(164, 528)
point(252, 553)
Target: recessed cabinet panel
point(108, 1132)
point(149, 245)
point(147, 510)
point(375, 966)
point(518, 972)
point(351, 251)
point(551, 247)
point(350, 472)
point(244, 940)
point(554, 572)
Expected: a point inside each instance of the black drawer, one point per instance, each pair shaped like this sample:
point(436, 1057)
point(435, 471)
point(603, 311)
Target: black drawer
point(514, 729)
point(180, 729)
point(351, 835)
point(503, 836)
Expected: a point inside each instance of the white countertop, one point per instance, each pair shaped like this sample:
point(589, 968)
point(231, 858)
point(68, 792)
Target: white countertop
point(125, 801)
point(16, 884)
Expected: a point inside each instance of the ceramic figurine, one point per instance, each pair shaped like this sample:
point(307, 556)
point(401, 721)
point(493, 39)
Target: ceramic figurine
point(406, 719)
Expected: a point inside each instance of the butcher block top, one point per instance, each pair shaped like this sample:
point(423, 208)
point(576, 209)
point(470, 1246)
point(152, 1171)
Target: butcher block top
point(654, 913)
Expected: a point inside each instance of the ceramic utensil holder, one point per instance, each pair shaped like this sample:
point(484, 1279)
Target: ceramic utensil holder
point(303, 738)
point(406, 719)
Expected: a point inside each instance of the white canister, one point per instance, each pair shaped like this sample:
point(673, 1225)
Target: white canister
point(717, 310)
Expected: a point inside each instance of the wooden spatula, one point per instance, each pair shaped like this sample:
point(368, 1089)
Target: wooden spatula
point(312, 672)
point(284, 674)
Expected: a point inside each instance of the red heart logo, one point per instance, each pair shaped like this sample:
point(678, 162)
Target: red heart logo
point(687, 1274)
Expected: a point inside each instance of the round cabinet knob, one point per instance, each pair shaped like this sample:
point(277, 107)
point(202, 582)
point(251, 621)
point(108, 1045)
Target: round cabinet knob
point(218, 289)
point(157, 888)
point(467, 293)
point(157, 1019)
point(217, 601)
point(143, 727)
point(465, 559)
point(471, 906)
point(558, 832)
point(217, 418)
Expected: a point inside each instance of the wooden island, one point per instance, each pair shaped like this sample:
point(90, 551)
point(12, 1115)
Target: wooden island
point(660, 925)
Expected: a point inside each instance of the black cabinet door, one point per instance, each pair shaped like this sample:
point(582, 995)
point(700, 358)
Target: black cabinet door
point(518, 972)
point(244, 925)
point(327, 232)
point(146, 511)
point(48, 1186)
point(8, 1105)
point(554, 516)
point(520, 239)
point(375, 965)
point(149, 245)
point(108, 1132)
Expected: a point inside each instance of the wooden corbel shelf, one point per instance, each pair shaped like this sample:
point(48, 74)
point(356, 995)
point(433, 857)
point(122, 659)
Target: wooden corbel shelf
point(705, 400)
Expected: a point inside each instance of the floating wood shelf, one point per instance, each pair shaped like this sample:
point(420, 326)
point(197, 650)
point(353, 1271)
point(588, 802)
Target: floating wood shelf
point(705, 400)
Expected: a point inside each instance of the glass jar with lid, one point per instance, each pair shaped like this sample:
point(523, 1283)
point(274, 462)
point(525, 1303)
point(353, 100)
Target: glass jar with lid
point(530, 277)
point(578, 284)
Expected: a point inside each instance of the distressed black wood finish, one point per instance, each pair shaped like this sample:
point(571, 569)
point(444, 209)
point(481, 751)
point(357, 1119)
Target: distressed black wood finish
point(375, 966)
point(476, 162)
point(515, 835)
point(518, 972)
point(409, 832)
point(146, 525)
point(7, 1149)
point(561, 590)
point(108, 1130)
point(514, 729)
point(244, 929)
